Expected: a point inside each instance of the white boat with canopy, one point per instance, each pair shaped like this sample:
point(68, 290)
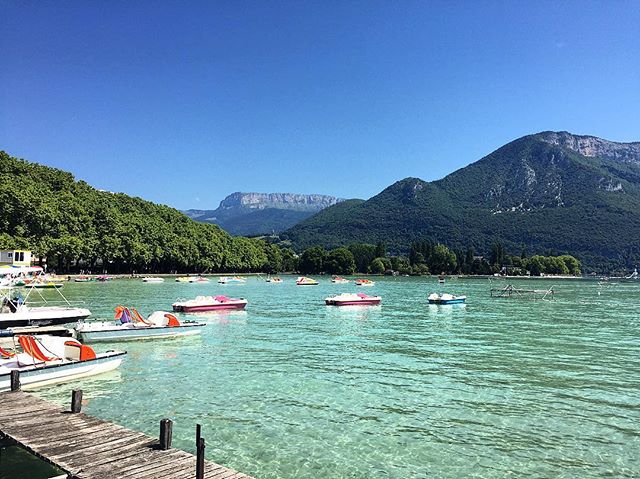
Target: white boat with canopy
point(130, 325)
point(33, 309)
point(47, 360)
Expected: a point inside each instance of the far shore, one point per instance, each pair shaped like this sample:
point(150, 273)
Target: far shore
point(450, 276)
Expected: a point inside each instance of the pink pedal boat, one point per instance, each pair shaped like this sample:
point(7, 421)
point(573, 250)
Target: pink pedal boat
point(351, 299)
point(209, 303)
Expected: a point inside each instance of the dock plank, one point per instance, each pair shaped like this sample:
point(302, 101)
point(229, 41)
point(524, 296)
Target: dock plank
point(90, 448)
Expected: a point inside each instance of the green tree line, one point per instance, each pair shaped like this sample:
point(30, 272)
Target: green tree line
point(75, 226)
point(427, 257)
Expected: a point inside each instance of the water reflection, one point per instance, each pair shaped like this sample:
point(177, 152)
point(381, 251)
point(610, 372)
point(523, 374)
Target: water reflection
point(353, 312)
point(447, 310)
point(216, 316)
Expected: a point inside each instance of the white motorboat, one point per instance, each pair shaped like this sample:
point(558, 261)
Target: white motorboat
point(51, 359)
point(151, 279)
point(352, 299)
point(130, 325)
point(198, 279)
point(232, 280)
point(203, 304)
point(18, 311)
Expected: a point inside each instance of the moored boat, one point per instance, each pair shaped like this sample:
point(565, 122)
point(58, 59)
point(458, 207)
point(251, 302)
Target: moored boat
point(51, 359)
point(231, 280)
point(446, 298)
point(83, 279)
point(202, 304)
point(130, 325)
point(152, 279)
point(353, 299)
point(274, 279)
point(198, 279)
point(18, 311)
point(364, 282)
point(339, 280)
point(304, 281)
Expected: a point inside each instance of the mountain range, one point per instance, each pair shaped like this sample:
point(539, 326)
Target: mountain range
point(551, 192)
point(252, 214)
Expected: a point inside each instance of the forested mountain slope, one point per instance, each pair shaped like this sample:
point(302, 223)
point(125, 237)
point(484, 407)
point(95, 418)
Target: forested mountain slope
point(549, 192)
point(64, 220)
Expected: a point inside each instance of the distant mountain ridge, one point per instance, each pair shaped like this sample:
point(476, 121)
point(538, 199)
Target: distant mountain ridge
point(547, 192)
point(250, 214)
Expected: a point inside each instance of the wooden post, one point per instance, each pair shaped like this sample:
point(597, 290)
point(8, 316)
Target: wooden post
point(166, 433)
point(15, 380)
point(76, 400)
point(199, 454)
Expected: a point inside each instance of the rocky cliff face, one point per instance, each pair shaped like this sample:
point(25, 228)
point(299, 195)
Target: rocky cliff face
point(251, 214)
point(285, 201)
point(591, 146)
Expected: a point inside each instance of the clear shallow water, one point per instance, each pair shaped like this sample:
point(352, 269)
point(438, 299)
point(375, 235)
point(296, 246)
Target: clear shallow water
point(294, 389)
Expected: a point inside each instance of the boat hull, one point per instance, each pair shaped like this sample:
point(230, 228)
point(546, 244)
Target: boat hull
point(209, 307)
point(134, 334)
point(43, 317)
point(364, 302)
point(447, 301)
point(34, 377)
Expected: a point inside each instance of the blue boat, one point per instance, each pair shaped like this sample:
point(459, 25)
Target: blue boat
point(446, 298)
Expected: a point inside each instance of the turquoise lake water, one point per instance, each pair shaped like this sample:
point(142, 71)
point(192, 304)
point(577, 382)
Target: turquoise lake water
point(295, 389)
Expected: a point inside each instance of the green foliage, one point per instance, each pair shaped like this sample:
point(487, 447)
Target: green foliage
point(442, 259)
point(289, 260)
point(312, 260)
point(363, 255)
point(75, 226)
point(377, 266)
point(340, 261)
point(562, 265)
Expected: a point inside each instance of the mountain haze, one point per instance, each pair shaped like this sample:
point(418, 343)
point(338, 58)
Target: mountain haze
point(250, 214)
point(548, 192)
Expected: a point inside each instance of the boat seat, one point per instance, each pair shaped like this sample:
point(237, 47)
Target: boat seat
point(173, 321)
point(139, 317)
point(79, 351)
point(6, 354)
point(32, 348)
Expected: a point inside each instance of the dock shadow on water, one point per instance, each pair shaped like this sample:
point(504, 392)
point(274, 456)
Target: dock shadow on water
point(16, 463)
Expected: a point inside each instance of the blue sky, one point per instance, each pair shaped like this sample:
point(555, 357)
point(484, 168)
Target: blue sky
point(185, 102)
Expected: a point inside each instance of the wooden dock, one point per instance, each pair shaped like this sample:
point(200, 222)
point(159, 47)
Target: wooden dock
point(85, 447)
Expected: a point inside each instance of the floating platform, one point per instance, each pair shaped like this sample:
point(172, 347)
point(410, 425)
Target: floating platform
point(85, 447)
point(511, 291)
